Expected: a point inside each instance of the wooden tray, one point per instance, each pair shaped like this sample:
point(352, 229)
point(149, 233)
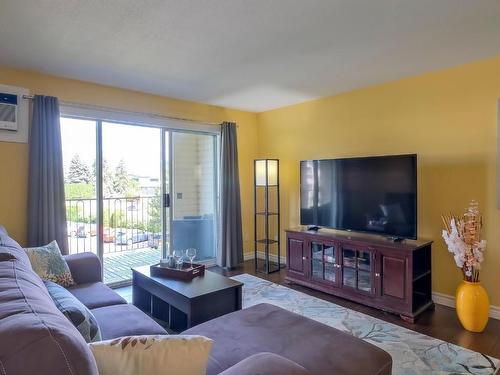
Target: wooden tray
point(185, 273)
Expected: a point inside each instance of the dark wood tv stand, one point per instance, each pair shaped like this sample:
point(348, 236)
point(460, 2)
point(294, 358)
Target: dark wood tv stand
point(371, 270)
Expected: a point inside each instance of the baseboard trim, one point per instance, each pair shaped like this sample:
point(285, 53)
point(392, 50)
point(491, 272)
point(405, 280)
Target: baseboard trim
point(447, 300)
point(262, 255)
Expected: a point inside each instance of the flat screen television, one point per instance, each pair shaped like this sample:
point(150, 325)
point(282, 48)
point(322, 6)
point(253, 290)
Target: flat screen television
point(365, 194)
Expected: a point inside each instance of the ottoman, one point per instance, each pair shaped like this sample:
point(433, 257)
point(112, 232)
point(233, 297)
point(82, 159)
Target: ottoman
point(318, 348)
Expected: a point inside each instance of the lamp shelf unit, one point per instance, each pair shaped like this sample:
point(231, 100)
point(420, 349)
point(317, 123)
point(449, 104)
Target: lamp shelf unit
point(266, 218)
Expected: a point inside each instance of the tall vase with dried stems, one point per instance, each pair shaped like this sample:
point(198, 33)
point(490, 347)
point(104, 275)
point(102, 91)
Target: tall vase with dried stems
point(462, 236)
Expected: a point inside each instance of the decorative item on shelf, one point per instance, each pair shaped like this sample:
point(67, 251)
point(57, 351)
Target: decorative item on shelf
point(462, 235)
point(164, 262)
point(191, 254)
point(178, 258)
point(266, 183)
point(184, 271)
point(169, 261)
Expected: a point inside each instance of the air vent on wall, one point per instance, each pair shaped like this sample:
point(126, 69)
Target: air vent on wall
point(8, 111)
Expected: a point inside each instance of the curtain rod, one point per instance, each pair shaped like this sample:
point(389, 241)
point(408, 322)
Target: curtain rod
point(30, 97)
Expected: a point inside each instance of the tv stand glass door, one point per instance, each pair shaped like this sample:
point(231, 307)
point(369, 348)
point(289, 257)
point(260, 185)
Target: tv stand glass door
point(358, 269)
point(324, 262)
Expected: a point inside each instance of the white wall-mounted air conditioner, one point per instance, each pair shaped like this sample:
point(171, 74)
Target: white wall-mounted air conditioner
point(14, 114)
point(8, 111)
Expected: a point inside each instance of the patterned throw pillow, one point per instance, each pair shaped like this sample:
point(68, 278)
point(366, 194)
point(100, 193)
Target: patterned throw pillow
point(81, 317)
point(152, 355)
point(49, 264)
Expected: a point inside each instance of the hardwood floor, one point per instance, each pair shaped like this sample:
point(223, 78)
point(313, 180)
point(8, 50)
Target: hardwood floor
point(441, 323)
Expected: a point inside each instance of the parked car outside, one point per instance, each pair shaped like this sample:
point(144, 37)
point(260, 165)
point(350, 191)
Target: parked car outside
point(124, 239)
point(82, 232)
point(108, 237)
point(154, 240)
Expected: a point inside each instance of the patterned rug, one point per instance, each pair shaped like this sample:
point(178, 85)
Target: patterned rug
point(412, 352)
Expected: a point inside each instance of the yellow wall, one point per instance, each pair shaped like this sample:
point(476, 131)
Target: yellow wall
point(449, 118)
point(14, 156)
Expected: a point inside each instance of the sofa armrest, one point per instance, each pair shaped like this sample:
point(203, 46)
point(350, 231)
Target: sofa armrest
point(84, 267)
point(265, 364)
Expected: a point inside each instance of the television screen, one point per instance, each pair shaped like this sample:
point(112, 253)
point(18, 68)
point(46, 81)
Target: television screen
point(369, 194)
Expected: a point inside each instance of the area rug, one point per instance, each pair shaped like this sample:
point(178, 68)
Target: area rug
point(412, 352)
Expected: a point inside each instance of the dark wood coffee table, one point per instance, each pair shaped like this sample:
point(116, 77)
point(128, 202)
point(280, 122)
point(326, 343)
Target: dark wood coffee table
point(184, 304)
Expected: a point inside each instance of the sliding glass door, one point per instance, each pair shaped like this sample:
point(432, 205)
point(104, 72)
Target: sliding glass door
point(132, 210)
point(194, 193)
point(135, 193)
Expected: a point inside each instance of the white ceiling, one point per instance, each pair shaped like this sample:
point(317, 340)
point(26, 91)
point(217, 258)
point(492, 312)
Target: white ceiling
point(247, 54)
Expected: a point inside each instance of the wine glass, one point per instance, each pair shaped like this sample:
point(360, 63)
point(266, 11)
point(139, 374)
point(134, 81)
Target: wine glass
point(177, 254)
point(191, 254)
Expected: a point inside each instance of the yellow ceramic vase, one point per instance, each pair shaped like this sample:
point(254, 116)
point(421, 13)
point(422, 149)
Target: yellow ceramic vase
point(473, 306)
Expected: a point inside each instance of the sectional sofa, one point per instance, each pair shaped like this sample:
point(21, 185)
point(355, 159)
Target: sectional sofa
point(35, 338)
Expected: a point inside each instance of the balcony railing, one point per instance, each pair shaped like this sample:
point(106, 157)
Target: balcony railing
point(129, 223)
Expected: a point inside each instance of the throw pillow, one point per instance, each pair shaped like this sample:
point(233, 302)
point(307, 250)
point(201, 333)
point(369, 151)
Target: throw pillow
point(152, 355)
point(77, 313)
point(48, 262)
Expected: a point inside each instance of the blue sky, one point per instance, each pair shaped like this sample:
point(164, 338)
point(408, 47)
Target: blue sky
point(140, 147)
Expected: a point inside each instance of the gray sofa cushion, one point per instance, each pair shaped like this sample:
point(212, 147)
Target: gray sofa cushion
point(36, 338)
point(125, 320)
point(318, 348)
point(94, 295)
point(79, 315)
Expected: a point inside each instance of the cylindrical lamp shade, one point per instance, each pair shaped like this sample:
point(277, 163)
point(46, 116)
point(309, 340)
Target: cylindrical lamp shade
point(272, 172)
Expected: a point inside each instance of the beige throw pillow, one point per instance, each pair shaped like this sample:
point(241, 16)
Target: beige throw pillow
point(152, 355)
point(48, 263)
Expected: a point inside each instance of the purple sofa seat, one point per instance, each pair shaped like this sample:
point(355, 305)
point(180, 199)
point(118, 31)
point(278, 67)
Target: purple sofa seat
point(89, 289)
point(318, 348)
point(96, 294)
point(125, 320)
point(115, 317)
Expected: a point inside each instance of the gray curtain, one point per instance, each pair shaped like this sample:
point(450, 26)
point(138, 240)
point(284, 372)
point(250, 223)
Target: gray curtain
point(230, 252)
point(46, 202)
